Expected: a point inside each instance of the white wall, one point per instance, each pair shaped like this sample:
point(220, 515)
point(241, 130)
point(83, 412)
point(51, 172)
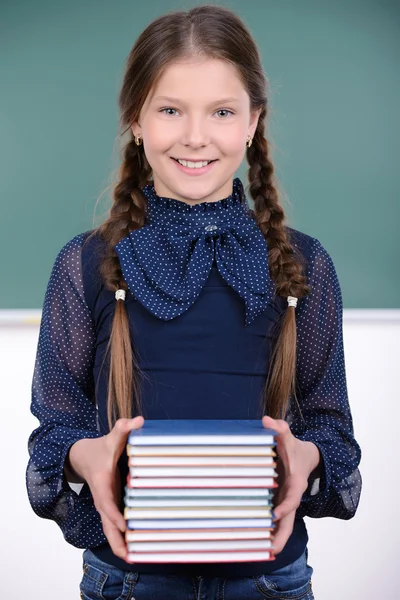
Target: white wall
point(353, 560)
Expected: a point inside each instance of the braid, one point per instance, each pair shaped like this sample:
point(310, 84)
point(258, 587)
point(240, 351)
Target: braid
point(126, 214)
point(285, 268)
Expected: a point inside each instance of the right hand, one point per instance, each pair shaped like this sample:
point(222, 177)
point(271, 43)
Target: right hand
point(96, 460)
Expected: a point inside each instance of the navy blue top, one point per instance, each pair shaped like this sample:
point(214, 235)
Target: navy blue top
point(205, 362)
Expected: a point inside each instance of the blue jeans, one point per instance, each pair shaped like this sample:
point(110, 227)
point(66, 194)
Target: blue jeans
point(101, 581)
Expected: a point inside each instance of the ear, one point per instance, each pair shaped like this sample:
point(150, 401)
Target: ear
point(254, 116)
point(136, 126)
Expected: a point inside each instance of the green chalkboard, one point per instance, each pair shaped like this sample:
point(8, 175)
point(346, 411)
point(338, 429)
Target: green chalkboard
point(334, 127)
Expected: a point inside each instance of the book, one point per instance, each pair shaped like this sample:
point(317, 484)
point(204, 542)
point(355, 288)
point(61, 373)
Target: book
point(196, 523)
point(199, 557)
point(244, 533)
point(200, 461)
point(199, 545)
point(202, 472)
point(196, 501)
point(193, 450)
point(201, 482)
point(184, 492)
point(196, 513)
point(201, 431)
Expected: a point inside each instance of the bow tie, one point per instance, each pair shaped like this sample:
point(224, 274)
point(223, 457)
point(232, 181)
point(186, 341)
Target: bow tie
point(167, 262)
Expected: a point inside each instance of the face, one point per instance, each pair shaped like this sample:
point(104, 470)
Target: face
point(198, 111)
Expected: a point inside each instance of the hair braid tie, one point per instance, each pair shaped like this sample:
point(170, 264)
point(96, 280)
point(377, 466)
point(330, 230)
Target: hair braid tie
point(120, 294)
point(292, 301)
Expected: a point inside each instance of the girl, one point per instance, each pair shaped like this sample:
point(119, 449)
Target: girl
point(187, 304)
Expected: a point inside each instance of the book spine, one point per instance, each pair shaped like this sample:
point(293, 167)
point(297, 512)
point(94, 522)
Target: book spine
point(196, 523)
point(199, 482)
point(209, 557)
point(197, 471)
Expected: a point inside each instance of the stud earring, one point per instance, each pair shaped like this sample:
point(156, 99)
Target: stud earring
point(138, 139)
point(249, 141)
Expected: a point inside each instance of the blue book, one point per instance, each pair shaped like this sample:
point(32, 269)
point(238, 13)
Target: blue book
point(201, 431)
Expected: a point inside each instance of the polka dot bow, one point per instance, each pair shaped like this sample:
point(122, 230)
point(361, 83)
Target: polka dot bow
point(167, 262)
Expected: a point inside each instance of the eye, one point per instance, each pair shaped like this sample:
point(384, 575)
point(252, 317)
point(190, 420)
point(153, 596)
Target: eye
point(167, 108)
point(225, 110)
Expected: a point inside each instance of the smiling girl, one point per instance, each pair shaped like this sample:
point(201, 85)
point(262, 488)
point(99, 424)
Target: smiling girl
point(188, 304)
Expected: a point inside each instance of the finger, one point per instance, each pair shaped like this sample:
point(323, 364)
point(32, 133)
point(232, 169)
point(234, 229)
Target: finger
point(118, 435)
point(109, 508)
point(283, 532)
point(115, 538)
point(137, 422)
point(124, 426)
point(291, 500)
point(288, 505)
point(281, 427)
point(284, 442)
point(117, 487)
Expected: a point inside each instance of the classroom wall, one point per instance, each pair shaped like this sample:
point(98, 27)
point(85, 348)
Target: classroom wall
point(353, 560)
point(333, 128)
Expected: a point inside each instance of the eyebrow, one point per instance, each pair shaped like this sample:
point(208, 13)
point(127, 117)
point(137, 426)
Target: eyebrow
point(177, 101)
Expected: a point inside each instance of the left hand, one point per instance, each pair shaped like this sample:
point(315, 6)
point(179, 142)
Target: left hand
point(297, 459)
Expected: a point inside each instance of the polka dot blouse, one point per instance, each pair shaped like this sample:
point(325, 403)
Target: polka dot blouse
point(202, 315)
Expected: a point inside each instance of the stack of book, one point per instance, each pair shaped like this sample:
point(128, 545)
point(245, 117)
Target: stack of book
point(200, 491)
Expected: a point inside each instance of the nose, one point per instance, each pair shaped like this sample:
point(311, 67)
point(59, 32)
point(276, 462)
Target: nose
point(195, 133)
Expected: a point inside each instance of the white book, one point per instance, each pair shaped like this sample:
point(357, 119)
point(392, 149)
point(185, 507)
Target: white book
point(201, 482)
point(196, 501)
point(196, 513)
point(195, 523)
point(192, 450)
point(199, 557)
point(161, 492)
point(202, 472)
point(200, 461)
point(194, 545)
point(134, 535)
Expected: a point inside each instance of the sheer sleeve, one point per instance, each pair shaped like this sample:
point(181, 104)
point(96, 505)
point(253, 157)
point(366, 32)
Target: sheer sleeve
point(63, 401)
point(323, 415)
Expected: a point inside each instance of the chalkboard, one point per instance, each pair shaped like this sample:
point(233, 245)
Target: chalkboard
point(334, 129)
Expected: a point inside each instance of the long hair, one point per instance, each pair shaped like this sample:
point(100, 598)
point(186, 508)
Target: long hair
point(212, 32)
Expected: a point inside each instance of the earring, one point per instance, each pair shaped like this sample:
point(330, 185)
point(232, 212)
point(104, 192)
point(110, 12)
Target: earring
point(138, 139)
point(249, 141)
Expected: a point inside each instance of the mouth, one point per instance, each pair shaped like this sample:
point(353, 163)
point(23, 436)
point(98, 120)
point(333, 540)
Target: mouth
point(198, 164)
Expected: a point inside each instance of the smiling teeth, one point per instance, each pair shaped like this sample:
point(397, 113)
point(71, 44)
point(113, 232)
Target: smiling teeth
point(193, 165)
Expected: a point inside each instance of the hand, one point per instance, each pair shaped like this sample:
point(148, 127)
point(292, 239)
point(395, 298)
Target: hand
point(96, 460)
point(297, 459)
